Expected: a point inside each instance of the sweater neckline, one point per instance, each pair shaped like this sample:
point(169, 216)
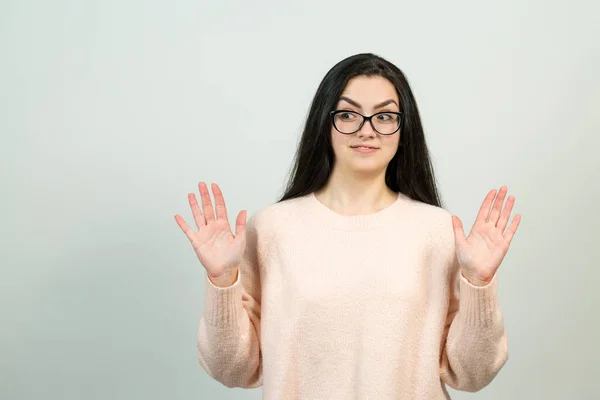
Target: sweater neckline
point(326, 216)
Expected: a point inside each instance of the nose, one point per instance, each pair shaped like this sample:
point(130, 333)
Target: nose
point(366, 130)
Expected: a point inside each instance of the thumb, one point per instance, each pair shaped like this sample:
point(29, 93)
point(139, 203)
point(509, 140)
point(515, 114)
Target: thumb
point(459, 233)
point(240, 225)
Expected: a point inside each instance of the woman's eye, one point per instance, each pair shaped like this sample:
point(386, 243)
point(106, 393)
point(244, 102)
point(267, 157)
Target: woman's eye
point(386, 117)
point(347, 115)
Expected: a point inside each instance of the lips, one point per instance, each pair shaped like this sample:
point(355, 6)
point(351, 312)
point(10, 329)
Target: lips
point(368, 147)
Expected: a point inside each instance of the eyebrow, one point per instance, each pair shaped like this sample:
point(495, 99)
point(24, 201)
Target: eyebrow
point(383, 103)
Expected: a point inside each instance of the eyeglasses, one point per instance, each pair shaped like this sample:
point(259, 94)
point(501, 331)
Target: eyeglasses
point(384, 123)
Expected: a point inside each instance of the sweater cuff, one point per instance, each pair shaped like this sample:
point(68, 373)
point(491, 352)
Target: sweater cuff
point(479, 304)
point(223, 305)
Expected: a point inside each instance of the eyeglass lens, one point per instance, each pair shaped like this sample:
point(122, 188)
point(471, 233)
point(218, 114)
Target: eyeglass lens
point(349, 122)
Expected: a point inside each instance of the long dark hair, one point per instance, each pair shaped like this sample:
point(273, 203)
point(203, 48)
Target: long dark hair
point(410, 171)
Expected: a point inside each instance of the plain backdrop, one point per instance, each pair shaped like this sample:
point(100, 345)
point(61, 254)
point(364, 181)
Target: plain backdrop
point(111, 112)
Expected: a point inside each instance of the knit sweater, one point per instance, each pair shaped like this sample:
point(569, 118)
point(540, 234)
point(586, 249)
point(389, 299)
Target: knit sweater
point(328, 306)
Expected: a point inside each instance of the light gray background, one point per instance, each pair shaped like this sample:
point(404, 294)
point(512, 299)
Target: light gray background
point(112, 111)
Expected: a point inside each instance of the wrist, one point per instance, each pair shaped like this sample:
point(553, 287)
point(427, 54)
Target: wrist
point(226, 279)
point(476, 281)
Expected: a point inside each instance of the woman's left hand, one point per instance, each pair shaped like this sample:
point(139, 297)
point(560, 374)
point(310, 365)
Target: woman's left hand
point(481, 253)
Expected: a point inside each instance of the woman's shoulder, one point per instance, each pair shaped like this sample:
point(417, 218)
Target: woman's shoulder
point(278, 214)
point(436, 222)
point(270, 221)
point(433, 216)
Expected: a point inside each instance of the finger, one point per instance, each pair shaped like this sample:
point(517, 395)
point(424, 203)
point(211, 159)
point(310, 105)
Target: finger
point(240, 225)
point(184, 227)
point(198, 217)
point(498, 203)
point(220, 207)
point(510, 233)
point(506, 213)
point(485, 207)
point(209, 214)
point(459, 233)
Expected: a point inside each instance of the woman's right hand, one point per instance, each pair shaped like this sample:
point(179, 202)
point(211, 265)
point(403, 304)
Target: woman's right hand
point(219, 251)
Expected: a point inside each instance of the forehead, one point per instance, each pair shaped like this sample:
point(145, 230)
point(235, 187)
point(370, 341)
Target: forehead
point(370, 90)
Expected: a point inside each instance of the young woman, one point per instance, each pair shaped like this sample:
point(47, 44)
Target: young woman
point(356, 284)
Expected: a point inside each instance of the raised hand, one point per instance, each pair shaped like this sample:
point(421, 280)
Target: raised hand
point(219, 251)
point(480, 254)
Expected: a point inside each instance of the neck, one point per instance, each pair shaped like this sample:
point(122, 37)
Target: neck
point(356, 194)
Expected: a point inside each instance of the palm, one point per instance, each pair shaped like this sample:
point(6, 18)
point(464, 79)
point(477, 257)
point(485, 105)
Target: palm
point(481, 253)
point(215, 246)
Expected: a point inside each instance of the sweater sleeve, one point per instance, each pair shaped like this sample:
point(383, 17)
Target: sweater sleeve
point(474, 346)
point(229, 330)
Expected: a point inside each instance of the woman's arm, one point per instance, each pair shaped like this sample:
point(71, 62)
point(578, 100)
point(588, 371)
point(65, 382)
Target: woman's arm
point(229, 330)
point(474, 345)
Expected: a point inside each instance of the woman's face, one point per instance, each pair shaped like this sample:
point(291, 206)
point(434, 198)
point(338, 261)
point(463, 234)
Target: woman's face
point(367, 96)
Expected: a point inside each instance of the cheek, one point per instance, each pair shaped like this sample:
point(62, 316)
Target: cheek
point(390, 144)
point(338, 141)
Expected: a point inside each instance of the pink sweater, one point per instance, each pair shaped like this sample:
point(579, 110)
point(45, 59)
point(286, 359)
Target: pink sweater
point(374, 306)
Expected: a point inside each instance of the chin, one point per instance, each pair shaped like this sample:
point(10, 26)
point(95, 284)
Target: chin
point(366, 167)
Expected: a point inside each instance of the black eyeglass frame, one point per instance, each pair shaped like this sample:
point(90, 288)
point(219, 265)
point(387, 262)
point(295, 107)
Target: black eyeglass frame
point(365, 118)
